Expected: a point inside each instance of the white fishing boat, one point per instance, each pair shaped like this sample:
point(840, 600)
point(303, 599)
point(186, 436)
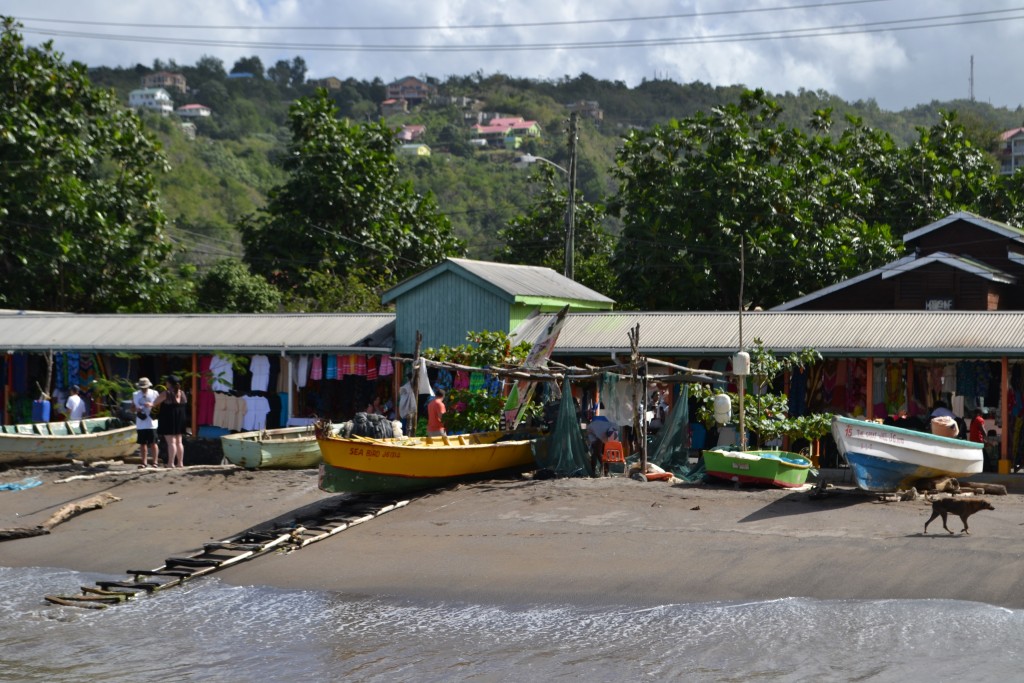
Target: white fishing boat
point(42, 443)
point(885, 458)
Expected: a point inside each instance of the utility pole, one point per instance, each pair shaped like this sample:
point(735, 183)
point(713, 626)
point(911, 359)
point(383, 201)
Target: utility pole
point(971, 80)
point(570, 213)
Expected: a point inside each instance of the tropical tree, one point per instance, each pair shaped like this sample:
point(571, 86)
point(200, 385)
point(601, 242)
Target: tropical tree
point(343, 208)
point(810, 209)
point(229, 287)
point(81, 228)
point(478, 410)
point(538, 237)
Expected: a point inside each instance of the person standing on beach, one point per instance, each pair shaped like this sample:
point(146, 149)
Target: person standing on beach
point(173, 419)
point(145, 425)
point(75, 406)
point(435, 414)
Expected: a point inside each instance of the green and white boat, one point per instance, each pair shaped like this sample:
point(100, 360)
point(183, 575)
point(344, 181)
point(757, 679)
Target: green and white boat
point(765, 467)
point(287, 448)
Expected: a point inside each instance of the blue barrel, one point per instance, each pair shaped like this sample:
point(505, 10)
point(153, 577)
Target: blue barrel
point(40, 411)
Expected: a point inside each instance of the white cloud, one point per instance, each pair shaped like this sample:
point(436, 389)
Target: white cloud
point(898, 68)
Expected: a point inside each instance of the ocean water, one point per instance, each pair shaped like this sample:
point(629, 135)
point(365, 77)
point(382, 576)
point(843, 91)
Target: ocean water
point(211, 631)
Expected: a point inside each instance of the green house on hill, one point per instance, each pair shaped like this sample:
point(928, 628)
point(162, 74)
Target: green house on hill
point(457, 296)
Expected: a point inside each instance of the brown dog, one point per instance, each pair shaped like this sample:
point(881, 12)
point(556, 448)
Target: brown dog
point(962, 507)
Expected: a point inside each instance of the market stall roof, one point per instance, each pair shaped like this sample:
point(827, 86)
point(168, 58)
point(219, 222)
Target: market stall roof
point(885, 334)
point(200, 333)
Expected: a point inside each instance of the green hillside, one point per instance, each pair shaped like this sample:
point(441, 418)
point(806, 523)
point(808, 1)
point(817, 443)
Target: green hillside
point(226, 170)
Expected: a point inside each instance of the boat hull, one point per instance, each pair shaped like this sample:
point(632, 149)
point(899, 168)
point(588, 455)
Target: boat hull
point(286, 448)
point(764, 468)
point(883, 458)
point(46, 443)
point(366, 465)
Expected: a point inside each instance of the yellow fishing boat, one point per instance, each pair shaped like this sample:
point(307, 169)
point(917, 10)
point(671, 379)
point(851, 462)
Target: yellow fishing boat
point(362, 464)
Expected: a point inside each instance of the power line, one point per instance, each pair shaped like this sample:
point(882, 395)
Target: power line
point(939, 21)
point(459, 27)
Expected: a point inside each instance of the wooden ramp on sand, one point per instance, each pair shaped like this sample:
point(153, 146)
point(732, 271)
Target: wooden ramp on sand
point(220, 555)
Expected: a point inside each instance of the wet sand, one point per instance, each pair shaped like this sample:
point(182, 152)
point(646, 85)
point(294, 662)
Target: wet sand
point(581, 541)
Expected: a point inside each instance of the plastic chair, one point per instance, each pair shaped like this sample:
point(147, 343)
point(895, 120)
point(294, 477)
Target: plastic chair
point(612, 453)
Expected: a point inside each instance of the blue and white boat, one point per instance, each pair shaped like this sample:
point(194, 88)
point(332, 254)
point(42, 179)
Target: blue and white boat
point(884, 458)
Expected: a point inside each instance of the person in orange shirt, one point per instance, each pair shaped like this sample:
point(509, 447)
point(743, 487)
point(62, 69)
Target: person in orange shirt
point(435, 414)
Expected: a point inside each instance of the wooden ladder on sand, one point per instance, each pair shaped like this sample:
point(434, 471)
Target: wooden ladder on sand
point(219, 555)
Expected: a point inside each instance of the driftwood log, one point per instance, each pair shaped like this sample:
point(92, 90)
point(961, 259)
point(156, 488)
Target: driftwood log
point(60, 516)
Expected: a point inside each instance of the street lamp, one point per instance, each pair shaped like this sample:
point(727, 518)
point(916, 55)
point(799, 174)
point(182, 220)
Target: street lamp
point(530, 158)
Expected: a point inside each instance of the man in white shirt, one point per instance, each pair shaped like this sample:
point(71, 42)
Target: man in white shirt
point(145, 424)
point(75, 406)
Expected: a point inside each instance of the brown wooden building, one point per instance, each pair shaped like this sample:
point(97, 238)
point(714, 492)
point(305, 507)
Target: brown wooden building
point(960, 263)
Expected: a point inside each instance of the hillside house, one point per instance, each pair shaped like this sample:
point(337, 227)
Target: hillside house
point(193, 111)
point(165, 80)
point(414, 149)
point(411, 132)
point(412, 90)
point(1011, 151)
point(330, 83)
point(151, 99)
point(507, 132)
point(392, 106)
point(588, 109)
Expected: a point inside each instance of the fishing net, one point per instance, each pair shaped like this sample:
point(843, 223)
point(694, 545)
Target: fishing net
point(671, 448)
point(564, 453)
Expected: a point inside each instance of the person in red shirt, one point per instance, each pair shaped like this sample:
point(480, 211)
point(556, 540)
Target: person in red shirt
point(435, 412)
point(977, 432)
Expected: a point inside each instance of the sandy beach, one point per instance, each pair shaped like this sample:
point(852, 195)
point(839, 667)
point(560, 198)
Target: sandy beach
point(581, 541)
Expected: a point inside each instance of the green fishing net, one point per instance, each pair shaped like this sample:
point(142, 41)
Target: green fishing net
point(564, 453)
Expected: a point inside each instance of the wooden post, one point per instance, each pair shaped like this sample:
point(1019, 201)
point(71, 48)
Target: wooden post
point(1004, 416)
point(869, 390)
point(7, 389)
point(194, 401)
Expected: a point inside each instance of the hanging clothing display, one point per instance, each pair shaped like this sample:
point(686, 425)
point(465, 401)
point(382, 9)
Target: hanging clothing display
point(387, 368)
point(302, 371)
point(223, 374)
point(259, 366)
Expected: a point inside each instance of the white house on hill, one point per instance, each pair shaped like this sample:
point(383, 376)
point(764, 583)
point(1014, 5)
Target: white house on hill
point(153, 99)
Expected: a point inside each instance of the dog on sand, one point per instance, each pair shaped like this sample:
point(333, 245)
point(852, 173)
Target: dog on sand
point(962, 507)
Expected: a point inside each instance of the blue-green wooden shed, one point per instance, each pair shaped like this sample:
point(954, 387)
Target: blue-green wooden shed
point(457, 296)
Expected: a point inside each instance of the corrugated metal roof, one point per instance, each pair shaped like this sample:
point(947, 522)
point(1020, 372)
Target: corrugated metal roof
point(918, 334)
point(987, 223)
point(510, 279)
point(230, 333)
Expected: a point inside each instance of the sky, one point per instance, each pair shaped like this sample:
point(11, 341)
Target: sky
point(900, 53)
